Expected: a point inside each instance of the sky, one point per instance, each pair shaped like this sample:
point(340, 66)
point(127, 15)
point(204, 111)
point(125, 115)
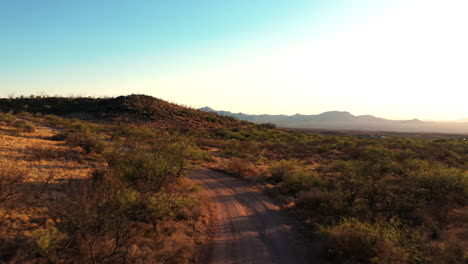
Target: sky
point(398, 59)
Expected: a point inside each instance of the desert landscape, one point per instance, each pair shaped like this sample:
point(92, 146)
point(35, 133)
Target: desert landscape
point(140, 180)
point(233, 132)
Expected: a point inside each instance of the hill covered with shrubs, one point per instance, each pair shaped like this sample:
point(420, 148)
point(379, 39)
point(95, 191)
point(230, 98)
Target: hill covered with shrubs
point(131, 108)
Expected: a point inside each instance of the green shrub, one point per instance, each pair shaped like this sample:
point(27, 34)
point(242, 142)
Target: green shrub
point(7, 118)
point(354, 241)
point(337, 166)
point(48, 238)
point(144, 134)
point(92, 220)
point(79, 127)
point(147, 207)
point(281, 170)
point(150, 168)
point(56, 121)
point(376, 153)
point(434, 189)
point(235, 148)
point(437, 183)
point(200, 154)
point(300, 180)
point(24, 126)
point(162, 205)
point(317, 204)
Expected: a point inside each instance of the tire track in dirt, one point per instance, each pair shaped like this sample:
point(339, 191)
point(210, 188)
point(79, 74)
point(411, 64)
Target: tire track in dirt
point(247, 226)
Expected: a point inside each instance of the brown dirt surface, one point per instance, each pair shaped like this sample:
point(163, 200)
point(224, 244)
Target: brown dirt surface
point(247, 227)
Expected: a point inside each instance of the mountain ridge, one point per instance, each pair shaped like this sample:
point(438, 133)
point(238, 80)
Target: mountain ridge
point(346, 120)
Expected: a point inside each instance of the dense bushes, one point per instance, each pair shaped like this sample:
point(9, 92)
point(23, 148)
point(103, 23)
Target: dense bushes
point(254, 142)
point(353, 241)
point(89, 142)
point(109, 222)
point(7, 118)
point(79, 134)
point(117, 215)
point(136, 209)
point(376, 200)
point(387, 188)
point(121, 209)
point(24, 126)
point(19, 125)
point(300, 180)
point(149, 167)
point(374, 188)
point(281, 170)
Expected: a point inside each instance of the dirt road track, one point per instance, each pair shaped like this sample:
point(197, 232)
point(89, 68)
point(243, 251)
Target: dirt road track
point(247, 226)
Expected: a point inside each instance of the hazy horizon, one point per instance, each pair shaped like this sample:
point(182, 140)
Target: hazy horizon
point(337, 110)
point(395, 59)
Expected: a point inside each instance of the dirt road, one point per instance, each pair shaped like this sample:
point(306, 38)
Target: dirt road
point(247, 226)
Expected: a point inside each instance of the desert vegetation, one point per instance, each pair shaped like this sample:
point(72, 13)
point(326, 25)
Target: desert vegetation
point(111, 189)
point(371, 200)
point(87, 193)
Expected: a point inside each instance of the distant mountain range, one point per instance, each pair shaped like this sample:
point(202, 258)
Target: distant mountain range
point(345, 120)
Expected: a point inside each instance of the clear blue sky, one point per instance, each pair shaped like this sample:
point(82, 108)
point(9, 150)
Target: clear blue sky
point(46, 33)
point(255, 56)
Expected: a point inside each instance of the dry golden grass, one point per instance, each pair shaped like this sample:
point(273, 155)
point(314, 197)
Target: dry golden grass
point(43, 175)
point(62, 162)
point(37, 181)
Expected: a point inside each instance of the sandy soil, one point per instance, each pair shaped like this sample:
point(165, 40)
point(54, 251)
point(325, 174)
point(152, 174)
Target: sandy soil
point(247, 226)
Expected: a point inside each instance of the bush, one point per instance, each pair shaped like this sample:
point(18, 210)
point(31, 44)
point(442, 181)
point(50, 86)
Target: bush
point(88, 141)
point(103, 220)
point(79, 127)
point(91, 225)
point(353, 241)
point(149, 168)
point(436, 183)
point(56, 121)
point(7, 119)
point(24, 126)
point(300, 180)
point(420, 193)
point(281, 170)
point(267, 125)
point(316, 203)
point(201, 155)
point(48, 238)
point(435, 189)
point(140, 134)
point(239, 167)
